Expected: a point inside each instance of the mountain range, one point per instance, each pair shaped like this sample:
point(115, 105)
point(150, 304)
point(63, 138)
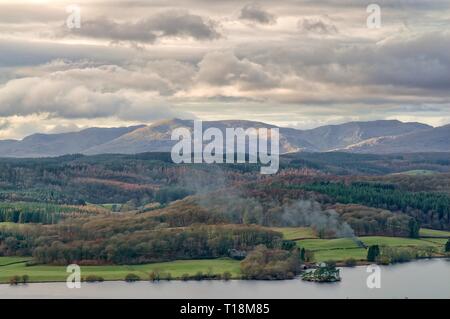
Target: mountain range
point(374, 137)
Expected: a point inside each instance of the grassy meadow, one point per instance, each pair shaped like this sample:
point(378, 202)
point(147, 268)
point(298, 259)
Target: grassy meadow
point(341, 249)
point(434, 233)
point(4, 261)
point(296, 233)
point(359, 254)
point(46, 273)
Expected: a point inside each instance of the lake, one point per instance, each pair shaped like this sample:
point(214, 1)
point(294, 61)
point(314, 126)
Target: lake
point(419, 279)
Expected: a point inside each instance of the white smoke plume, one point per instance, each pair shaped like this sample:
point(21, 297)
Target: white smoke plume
point(307, 213)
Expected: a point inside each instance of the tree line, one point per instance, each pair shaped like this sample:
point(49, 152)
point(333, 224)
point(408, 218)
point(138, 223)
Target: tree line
point(65, 245)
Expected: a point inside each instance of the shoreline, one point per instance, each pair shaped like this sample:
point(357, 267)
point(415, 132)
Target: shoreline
point(177, 279)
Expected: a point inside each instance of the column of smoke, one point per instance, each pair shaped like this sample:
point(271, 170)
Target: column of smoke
point(306, 213)
point(200, 184)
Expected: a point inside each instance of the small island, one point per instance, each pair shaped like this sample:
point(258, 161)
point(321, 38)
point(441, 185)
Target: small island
point(325, 272)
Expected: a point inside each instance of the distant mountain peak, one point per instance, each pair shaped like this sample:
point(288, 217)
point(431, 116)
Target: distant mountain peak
point(382, 136)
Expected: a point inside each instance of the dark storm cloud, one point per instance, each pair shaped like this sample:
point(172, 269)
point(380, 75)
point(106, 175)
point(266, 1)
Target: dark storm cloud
point(16, 53)
point(316, 25)
point(255, 13)
point(414, 62)
point(173, 23)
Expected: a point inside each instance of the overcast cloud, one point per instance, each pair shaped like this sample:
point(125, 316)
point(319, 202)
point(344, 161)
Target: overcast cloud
point(255, 13)
point(165, 24)
point(288, 62)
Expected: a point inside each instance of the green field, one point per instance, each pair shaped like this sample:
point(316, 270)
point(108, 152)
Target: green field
point(333, 249)
point(359, 254)
point(434, 233)
point(12, 260)
point(437, 241)
point(176, 268)
point(292, 233)
point(327, 244)
point(345, 248)
point(396, 241)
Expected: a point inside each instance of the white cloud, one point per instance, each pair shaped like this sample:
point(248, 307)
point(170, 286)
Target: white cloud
point(224, 68)
point(89, 92)
point(317, 64)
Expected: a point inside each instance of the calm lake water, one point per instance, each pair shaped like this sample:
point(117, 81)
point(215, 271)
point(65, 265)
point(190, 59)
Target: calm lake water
point(421, 279)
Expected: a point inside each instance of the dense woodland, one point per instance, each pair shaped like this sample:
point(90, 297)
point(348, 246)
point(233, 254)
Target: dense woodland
point(368, 221)
point(272, 264)
point(130, 240)
point(122, 209)
point(430, 209)
point(41, 213)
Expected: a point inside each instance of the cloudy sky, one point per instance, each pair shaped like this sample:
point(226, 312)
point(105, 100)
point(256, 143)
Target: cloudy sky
point(298, 63)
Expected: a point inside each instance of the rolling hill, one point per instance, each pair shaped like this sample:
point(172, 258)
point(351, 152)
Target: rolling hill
point(378, 137)
point(430, 140)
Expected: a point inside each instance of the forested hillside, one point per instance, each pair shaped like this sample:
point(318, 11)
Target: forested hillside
point(131, 209)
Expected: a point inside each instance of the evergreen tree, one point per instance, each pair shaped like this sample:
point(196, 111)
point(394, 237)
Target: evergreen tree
point(414, 228)
point(373, 253)
point(302, 254)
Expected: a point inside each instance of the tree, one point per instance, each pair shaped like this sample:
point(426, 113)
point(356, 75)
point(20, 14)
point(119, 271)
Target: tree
point(14, 280)
point(303, 254)
point(350, 262)
point(226, 276)
point(132, 278)
point(447, 246)
point(271, 264)
point(288, 245)
point(414, 228)
point(373, 253)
